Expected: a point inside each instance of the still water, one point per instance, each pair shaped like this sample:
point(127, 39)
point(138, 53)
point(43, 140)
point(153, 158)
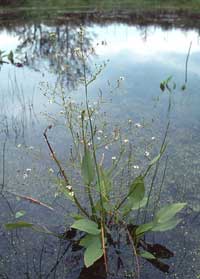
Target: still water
point(138, 58)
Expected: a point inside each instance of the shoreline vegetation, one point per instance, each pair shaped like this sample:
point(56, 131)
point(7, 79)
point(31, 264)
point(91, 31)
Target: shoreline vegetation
point(180, 14)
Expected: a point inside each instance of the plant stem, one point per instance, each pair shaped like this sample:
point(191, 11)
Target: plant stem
point(87, 187)
point(63, 172)
point(156, 170)
point(93, 149)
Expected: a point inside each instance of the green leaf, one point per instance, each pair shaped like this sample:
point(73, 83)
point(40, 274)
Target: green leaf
point(155, 160)
point(164, 219)
point(87, 167)
point(147, 255)
point(144, 228)
point(20, 213)
point(37, 228)
point(77, 216)
point(105, 183)
point(168, 212)
point(87, 239)
point(93, 251)
point(162, 86)
point(86, 225)
point(43, 229)
point(108, 207)
point(20, 224)
point(168, 225)
point(11, 57)
point(136, 194)
point(140, 204)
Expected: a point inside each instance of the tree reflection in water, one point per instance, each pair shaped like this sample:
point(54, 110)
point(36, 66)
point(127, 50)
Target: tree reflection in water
point(54, 48)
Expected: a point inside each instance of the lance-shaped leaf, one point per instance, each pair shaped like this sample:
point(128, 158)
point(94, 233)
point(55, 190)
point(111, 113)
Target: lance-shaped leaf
point(144, 228)
point(166, 226)
point(35, 227)
point(86, 225)
point(168, 212)
point(164, 219)
point(87, 167)
point(20, 224)
point(147, 255)
point(105, 182)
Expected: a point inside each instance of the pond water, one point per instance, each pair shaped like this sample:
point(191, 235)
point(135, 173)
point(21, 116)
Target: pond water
point(138, 58)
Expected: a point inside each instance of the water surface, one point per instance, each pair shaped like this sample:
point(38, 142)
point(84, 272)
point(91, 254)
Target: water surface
point(138, 58)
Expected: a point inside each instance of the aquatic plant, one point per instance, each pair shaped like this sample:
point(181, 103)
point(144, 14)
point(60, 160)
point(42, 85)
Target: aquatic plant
point(96, 221)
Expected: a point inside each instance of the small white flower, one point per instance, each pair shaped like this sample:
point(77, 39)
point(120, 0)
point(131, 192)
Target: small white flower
point(69, 187)
point(89, 144)
point(136, 167)
point(146, 153)
point(79, 117)
point(114, 158)
point(129, 121)
point(28, 170)
point(51, 170)
point(100, 131)
point(121, 78)
point(19, 145)
point(61, 112)
point(138, 125)
point(126, 140)
point(25, 175)
point(71, 194)
point(153, 138)
point(106, 147)
point(77, 49)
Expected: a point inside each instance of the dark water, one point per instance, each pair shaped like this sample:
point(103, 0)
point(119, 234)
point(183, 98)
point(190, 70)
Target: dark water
point(138, 56)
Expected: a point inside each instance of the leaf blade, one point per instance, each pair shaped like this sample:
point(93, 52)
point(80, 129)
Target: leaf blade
point(86, 225)
point(87, 167)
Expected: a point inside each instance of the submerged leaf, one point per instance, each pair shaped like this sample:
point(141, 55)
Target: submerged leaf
point(159, 265)
point(20, 224)
point(158, 250)
point(20, 213)
point(37, 228)
point(86, 225)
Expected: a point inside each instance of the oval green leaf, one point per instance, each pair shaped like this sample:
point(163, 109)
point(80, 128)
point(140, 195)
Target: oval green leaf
point(86, 225)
